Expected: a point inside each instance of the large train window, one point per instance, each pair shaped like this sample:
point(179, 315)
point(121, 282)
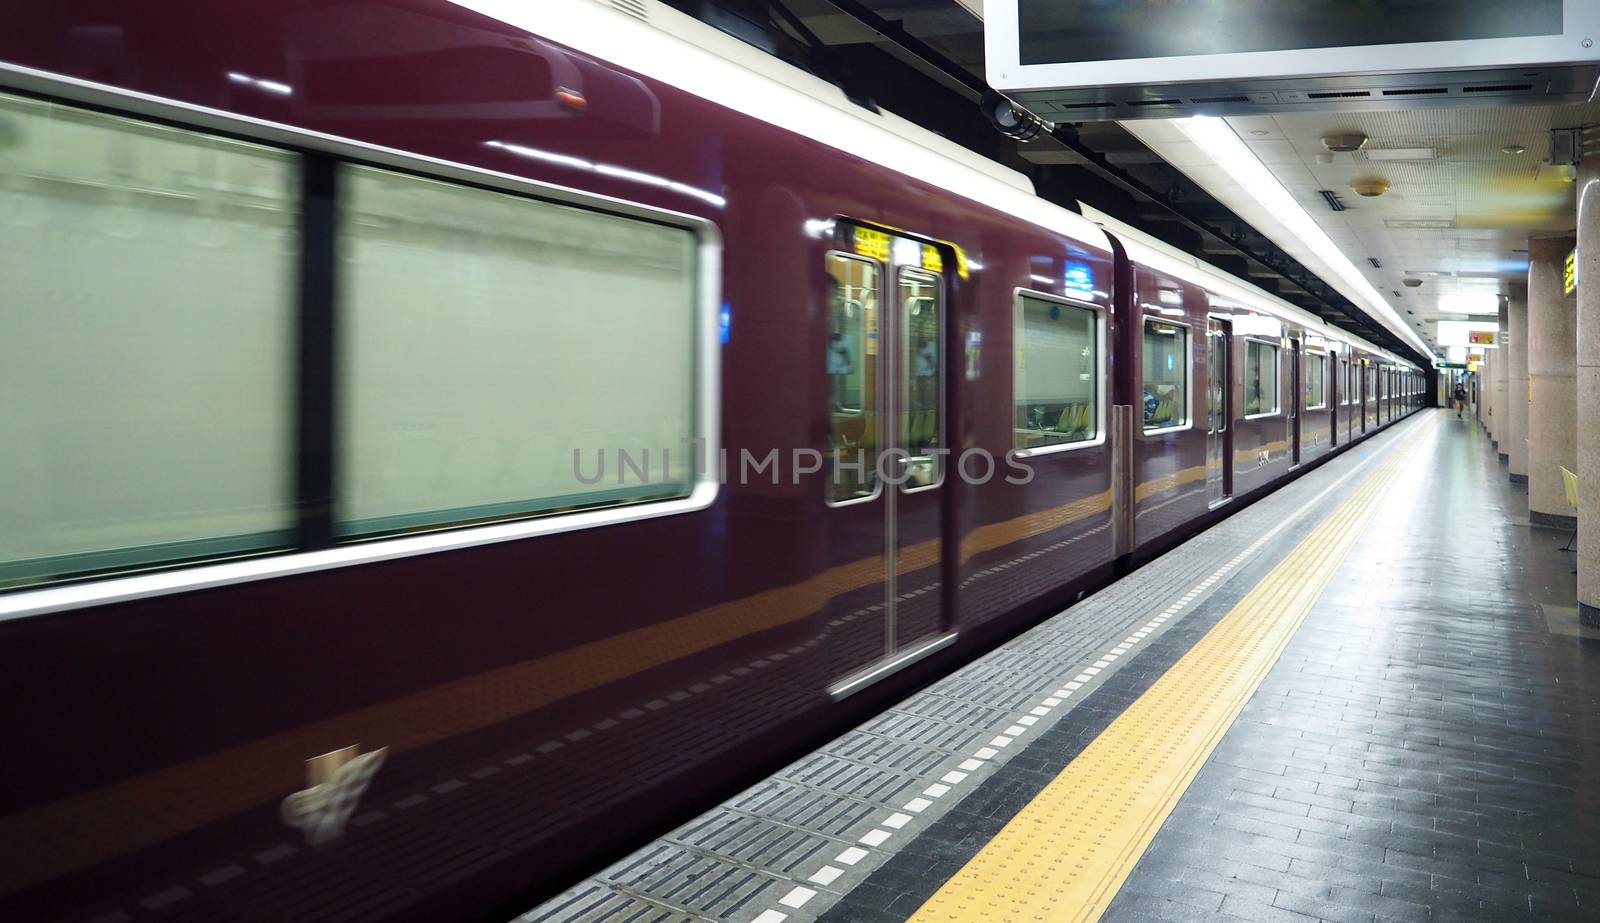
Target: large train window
point(1166, 375)
point(504, 356)
point(1055, 382)
point(1316, 383)
point(146, 368)
point(852, 362)
point(1261, 371)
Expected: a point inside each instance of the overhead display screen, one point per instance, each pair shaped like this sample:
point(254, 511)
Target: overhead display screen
point(1077, 31)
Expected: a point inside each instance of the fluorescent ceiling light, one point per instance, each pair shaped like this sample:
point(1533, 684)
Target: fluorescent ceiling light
point(1400, 153)
point(1228, 151)
point(1470, 304)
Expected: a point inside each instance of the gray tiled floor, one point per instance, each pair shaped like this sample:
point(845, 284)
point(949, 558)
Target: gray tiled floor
point(1428, 747)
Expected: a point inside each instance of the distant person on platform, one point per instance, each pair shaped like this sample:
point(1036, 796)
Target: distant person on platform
point(1460, 396)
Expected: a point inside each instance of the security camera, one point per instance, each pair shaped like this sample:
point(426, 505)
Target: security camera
point(1012, 120)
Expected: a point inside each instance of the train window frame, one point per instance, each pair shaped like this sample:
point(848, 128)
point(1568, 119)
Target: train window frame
point(877, 482)
point(1322, 357)
point(1188, 373)
point(1277, 371)
point(1099, 366)
point(328, 552)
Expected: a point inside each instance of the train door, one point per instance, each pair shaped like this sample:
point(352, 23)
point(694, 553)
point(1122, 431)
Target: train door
point(1296, 410)
point(885, 475)
point(1219, 411)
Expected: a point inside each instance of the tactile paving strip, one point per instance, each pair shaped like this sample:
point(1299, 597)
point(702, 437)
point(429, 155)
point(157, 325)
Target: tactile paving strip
point(1064, 855)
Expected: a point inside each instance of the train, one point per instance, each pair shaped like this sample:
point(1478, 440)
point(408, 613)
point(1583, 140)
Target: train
point(445, 443)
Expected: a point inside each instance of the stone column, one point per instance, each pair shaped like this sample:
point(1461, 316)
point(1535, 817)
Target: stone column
point(1502, 363)
point(1587, 421)
point(1515, 442)
point(1552, 361)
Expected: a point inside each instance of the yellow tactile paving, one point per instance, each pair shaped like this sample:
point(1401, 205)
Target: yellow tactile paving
point(1065, 855)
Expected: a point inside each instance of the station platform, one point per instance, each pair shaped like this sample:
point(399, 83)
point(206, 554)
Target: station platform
point(1365, 697)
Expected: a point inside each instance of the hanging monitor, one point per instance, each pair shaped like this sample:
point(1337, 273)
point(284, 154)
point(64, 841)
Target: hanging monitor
point(1073, 60)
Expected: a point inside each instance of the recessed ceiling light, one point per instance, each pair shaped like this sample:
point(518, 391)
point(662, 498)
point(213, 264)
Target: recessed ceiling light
point(1513, 149)
point(1258, 131)
point(1344, 142)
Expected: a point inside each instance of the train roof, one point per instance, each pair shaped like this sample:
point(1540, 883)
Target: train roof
point(1157, 254)
point(667, 45)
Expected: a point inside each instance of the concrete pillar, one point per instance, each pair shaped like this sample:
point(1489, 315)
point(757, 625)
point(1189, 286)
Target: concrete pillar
point(1502, 364)
point(1587, 421)
point(1552, 362)
point(1515, 442)
point(1486, 392)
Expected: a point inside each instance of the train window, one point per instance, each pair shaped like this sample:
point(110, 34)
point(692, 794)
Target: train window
point(1055, 383)
point(146, 371)
point(1166, 375)
point(1347, 393)
point(1316, 384)
point(921, 375)
point(503, 356)
point(852, 363)
point(1260, 379)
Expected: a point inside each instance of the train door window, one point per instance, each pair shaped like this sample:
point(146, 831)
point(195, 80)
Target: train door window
point(1056, 387)
point(1216, 377)
point(496, 351)
point(852, 363)
point(921, 375)
point(1344, 382)
point(1316, 385)
point(147, 365)
point(1261, 371)
point(1166, 375)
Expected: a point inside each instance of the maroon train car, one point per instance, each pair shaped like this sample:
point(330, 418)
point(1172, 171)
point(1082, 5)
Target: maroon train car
point(443, 446)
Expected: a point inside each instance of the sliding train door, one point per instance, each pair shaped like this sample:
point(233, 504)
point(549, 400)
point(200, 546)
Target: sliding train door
point(1219, 410)
point(884, 464)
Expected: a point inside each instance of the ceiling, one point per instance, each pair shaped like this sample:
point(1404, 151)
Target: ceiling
point(1460, 220)
point(1465, 214)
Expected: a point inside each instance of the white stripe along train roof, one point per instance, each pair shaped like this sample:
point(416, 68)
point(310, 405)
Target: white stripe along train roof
point(679, 50)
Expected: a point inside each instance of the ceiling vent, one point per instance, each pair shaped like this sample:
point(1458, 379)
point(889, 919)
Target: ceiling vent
point(1417, 91)
point(634, 8)
point(1499, 88)
point(1332, 198)
point(1374, 261)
